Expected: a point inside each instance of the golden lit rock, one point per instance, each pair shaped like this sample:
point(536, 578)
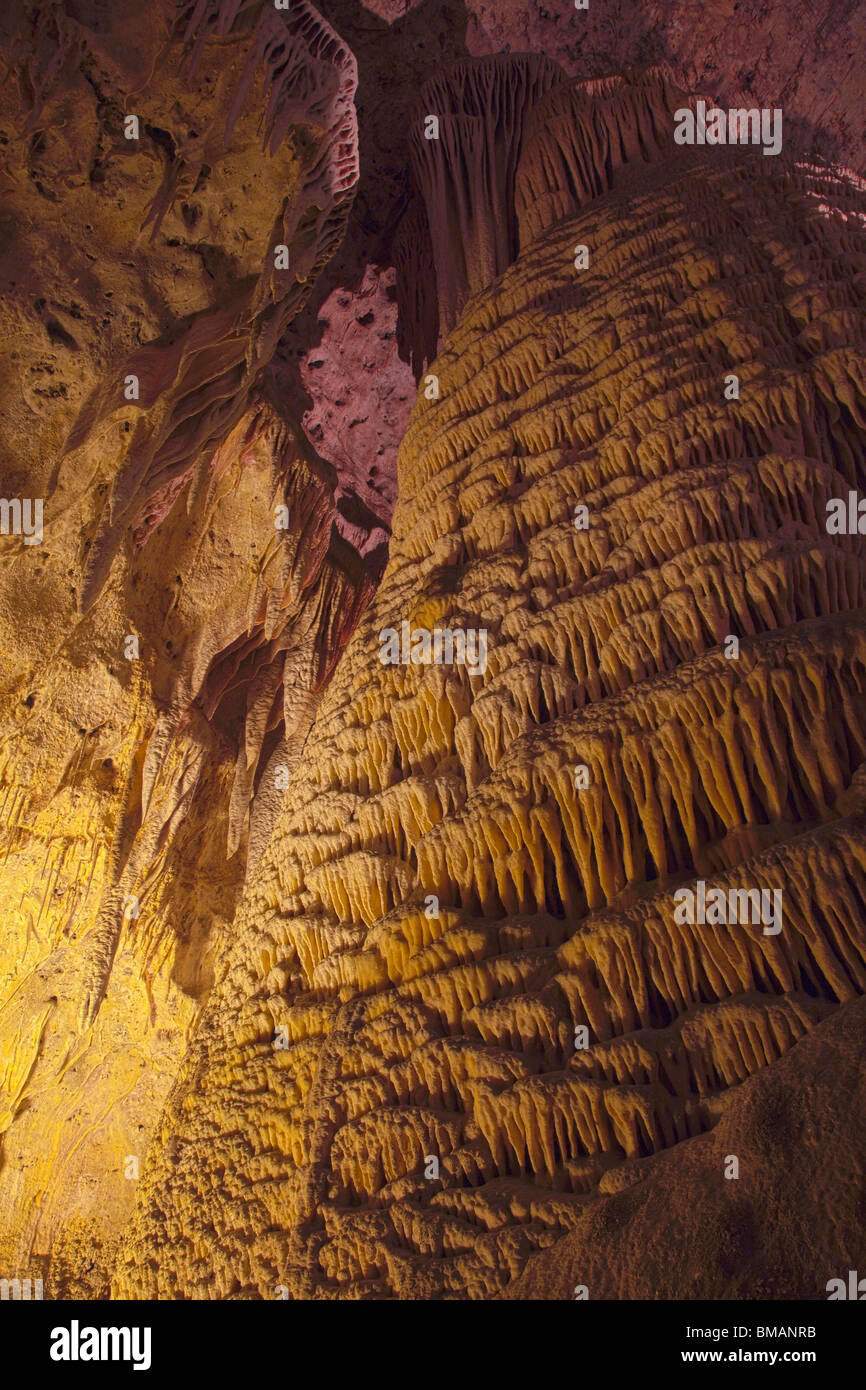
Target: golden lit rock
point(433, 934)
point(443, 905)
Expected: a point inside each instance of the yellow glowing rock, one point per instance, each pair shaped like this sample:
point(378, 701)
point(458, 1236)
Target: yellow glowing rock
point(452, 906)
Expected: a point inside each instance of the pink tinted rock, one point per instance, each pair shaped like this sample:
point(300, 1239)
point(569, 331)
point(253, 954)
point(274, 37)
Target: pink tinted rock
point(799, 55)
point(389, 10)
point(362, 395)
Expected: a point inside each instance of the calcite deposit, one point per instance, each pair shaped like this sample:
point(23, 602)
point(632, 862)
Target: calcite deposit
point(173, 631)
point(441, 932)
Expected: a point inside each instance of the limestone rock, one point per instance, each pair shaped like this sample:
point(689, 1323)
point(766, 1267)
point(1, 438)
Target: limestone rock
point(443, 936)
point(165, 639)
point(444, 906)
point(788, 1225)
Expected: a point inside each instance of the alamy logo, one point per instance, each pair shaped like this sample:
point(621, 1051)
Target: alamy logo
point(856, 1288)
point(741, 126)
point(102, 1344)
point(716, 906)
point(22, 516)
point(441, 647)
point(17, 1289)
point(846, 516)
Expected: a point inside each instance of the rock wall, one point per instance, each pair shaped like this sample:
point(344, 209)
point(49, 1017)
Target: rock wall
point(671, 1229)
point(465, 997)
point(168, 636)
point(449, 935)
point(790, 53)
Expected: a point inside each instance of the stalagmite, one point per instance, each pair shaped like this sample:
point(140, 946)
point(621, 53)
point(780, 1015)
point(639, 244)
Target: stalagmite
point(496, 1000)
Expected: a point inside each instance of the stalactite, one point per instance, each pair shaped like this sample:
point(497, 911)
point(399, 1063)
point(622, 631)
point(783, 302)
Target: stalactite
point(466, 174)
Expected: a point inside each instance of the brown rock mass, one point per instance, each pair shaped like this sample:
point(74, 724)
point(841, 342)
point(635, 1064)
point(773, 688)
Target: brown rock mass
point(442, 935)
point(165, 640)
point(452, 1036)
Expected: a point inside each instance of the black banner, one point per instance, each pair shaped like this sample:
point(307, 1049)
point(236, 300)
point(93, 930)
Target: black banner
point(63, 1340)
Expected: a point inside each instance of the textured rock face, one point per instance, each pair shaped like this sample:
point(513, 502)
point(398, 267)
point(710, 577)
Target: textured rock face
point(362, 395)
point(796, 1127)
point(789, 53)
point(165, 640)
point(437, 1020)
point(392, 1092)
point(390, 10)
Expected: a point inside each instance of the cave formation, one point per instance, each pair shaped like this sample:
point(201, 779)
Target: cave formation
point(326, 975)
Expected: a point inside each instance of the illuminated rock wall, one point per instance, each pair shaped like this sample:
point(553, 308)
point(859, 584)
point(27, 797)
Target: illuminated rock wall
point(463, 997)
point(165, 640)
